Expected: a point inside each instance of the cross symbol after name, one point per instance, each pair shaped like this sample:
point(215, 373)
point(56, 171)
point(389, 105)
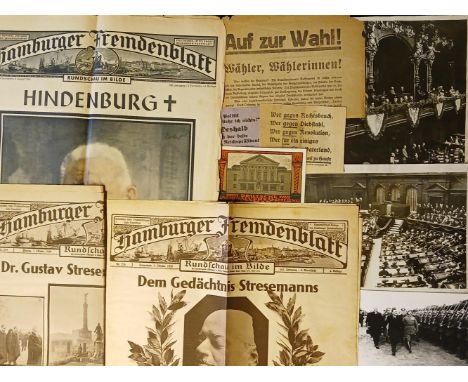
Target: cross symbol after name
point(169, 102)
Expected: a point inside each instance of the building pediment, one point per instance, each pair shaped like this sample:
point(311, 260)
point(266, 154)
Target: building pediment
point(259, 160)
point(436, 187)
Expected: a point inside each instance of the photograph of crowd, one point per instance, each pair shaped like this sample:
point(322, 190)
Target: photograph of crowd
point(21, 328)
point(401, 328)
point(414, 226)
point(415, 94)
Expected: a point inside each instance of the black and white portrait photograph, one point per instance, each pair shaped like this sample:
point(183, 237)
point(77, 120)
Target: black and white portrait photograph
point(76, 325)
point(414, 226)
point(133, 159)
point(222, 331)
point(21, 330)
point(415, 94)
point(398, 328)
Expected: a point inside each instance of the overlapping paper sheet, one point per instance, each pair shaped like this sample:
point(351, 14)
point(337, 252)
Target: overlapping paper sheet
point(52, 275)
point(239, 284)
point(129, 102)
point(300, 60)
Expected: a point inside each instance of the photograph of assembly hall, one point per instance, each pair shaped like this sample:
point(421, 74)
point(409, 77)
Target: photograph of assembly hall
point(414, 225)
point(415, 94)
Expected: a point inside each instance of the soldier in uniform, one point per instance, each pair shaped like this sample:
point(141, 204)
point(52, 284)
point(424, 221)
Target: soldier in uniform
point(462, 334)
point(423, 319)
point(444, 329)
point(410, 329)
point(435, 326)
point(451, 331)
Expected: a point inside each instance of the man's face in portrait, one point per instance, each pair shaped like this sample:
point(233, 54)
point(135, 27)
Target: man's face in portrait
point(99, 171)
point(212, 340)
point(238, 349)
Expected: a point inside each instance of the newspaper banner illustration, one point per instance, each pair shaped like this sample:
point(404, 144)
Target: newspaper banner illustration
point(247, 274)
point(262, 174)
point(124, 102)
point(52, 241)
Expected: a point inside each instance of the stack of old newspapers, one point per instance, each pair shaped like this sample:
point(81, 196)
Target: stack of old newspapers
point(256, 190)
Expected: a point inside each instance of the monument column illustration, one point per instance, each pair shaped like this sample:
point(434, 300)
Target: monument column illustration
point(85, 313)
point(83, 336)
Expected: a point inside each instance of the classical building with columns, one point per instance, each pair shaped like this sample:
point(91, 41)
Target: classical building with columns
point(259, 175)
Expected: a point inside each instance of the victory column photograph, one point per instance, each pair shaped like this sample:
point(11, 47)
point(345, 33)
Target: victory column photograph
point(76, 325)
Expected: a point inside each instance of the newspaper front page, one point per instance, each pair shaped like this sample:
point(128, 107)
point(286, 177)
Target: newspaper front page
point(239, 284)
point(129, 102)
point(301, 60)
point(52, 275)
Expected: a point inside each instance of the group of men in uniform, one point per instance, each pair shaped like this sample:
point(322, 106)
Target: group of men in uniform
point(446, 326)
point(443, 326)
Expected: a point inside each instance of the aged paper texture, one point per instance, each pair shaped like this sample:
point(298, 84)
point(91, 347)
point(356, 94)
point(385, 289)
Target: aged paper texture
point(238, 284)
point(319, 129)
point(316, 60)
point(52, 274)
point(132, 103)
point(241, 126)
point(248, 174)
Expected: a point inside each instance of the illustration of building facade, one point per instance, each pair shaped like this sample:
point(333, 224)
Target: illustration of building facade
point(259, 175)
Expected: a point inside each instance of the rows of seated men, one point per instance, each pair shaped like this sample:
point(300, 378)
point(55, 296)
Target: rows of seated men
point(442, 214)
point(423, 257)
point(342, 201)
point(369, 230)
point(396, 97)
point(450, 151)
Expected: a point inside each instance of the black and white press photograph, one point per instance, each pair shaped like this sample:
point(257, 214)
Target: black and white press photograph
point(76, 325)
point(222, 331)
point(21, 330)
point(400, 328)
point(414, 226)
point(134, 159)
point(415, 94)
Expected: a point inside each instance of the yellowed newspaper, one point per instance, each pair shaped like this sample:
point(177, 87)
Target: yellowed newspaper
point(132, 103)
point(239, 284)
point(319, 129)
point(313, 60)
point(52, 275)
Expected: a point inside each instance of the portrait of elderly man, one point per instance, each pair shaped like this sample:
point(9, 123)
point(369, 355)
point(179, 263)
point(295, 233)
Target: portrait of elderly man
point(225, 332)
point(227, 338)
point(99, 164)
